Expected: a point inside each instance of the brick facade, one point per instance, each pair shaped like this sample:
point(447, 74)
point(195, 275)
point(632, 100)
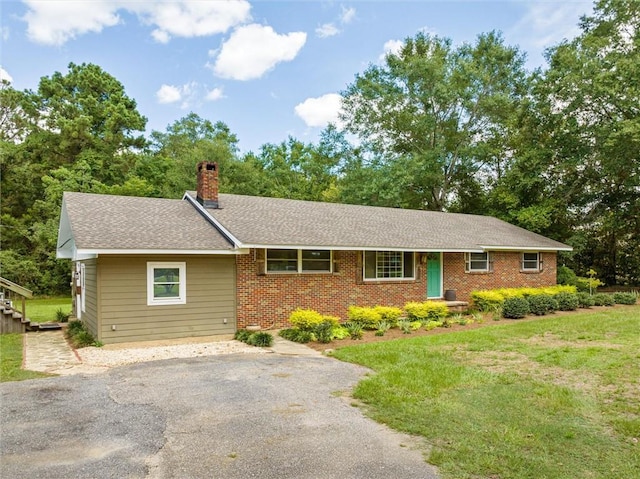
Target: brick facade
point(506, 273)
point(268, 299)
point(207, 184)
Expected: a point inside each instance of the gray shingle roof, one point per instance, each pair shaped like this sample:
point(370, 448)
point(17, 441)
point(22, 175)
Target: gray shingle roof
point(100, 222)
point(281, 222)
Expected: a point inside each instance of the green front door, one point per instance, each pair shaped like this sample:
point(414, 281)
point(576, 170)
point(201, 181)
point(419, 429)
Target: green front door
point(434, 275)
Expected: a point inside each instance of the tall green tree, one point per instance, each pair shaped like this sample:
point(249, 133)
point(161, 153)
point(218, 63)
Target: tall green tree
point(170, 166)
point(579, 163)
point(78, 131)
point(435, 116)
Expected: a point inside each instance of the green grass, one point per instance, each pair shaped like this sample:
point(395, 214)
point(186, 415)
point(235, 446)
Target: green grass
point(552, 398)
point(44, 310)
point(11, 360)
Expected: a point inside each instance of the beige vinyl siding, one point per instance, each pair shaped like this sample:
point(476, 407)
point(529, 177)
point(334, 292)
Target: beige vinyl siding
point(90, 314)
point(211, 298)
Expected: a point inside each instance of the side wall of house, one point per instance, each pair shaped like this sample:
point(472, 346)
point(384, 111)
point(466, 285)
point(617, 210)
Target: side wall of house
point(210, 307)
point(506, 273)
point(90, 314)
point(268, 299)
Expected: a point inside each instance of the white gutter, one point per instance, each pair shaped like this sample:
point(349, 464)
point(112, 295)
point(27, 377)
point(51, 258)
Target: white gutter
point(525, 248)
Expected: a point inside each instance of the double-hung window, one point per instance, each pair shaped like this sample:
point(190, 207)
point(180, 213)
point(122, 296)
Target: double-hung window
point(477, 262)
point(530, 262)
point(298, 261)
point(384, 265)
point(166, 283)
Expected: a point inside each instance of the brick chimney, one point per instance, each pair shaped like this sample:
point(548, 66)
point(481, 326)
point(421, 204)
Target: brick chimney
point(207, 193)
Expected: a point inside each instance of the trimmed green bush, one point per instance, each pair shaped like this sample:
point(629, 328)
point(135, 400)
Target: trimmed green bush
point(297, 335)
point(390, 314)
point(305, 319)
point(625, 298)
point(515, 308)
point(486, 300)
point(428, 310)
point(541, 304)
point(566, 275)
point(260, 339)
point(585, 300)
point(567, 301)
point(603, 299)
point(367, 317)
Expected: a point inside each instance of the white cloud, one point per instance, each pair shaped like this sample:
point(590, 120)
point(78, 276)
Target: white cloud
point(214, 94)
point(319, 112)
point(330, 29)
point(390, 47)
point(4, 75)
point(168, 94)
point(347, 15)
point(327, 30)
point(54, 22)
point(254, 49)
point(191, 19)
point(547, 23)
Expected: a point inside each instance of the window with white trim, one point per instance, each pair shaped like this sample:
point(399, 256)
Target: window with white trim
point(530, 262)
point(166, 283)
point(383, 265)
point(477, 262)
point(298, 261)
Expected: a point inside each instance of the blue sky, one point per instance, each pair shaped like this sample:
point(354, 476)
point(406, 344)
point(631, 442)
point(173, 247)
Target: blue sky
point(268, 69)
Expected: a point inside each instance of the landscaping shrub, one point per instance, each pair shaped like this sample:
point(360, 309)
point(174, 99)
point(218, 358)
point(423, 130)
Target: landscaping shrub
point(61, 316)
point(486, 300)
point(382, 327)
point(367, 317)
point(428, 310)
point(305, 319)
point(585, 300)
point(389, 313)
point(541, 304)
point(625, 298)
point(567, 301)
point(340, 332)
point(432, 325)
point(405, 326)
point(354, 328)
point(260, 339)
point(603, 299)
point(324, 331)
point(297, 335)
point(566, 275)
point(78, 335)
point(515, 308)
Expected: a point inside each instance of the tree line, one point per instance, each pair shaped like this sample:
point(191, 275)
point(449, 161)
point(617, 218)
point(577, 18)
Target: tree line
point(436, 126)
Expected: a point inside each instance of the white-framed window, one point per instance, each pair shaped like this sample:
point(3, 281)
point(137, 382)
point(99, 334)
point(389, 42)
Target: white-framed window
point(477, 262)
point(531, 262)
point(298, 261)
point(385, 265)
point(166, 283)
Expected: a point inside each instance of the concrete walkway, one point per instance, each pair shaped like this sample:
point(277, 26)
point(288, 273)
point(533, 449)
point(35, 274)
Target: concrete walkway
point(49, 351)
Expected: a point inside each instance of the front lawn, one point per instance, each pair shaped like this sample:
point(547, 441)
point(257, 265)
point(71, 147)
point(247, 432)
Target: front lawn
point(553, 398)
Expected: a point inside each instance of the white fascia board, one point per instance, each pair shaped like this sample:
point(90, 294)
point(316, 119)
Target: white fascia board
point(194, 202)
point(364, 248)
point(95, 252)
point(532, 249)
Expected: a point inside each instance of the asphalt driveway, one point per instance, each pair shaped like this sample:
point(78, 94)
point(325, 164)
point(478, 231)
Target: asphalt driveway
point(236, 416)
